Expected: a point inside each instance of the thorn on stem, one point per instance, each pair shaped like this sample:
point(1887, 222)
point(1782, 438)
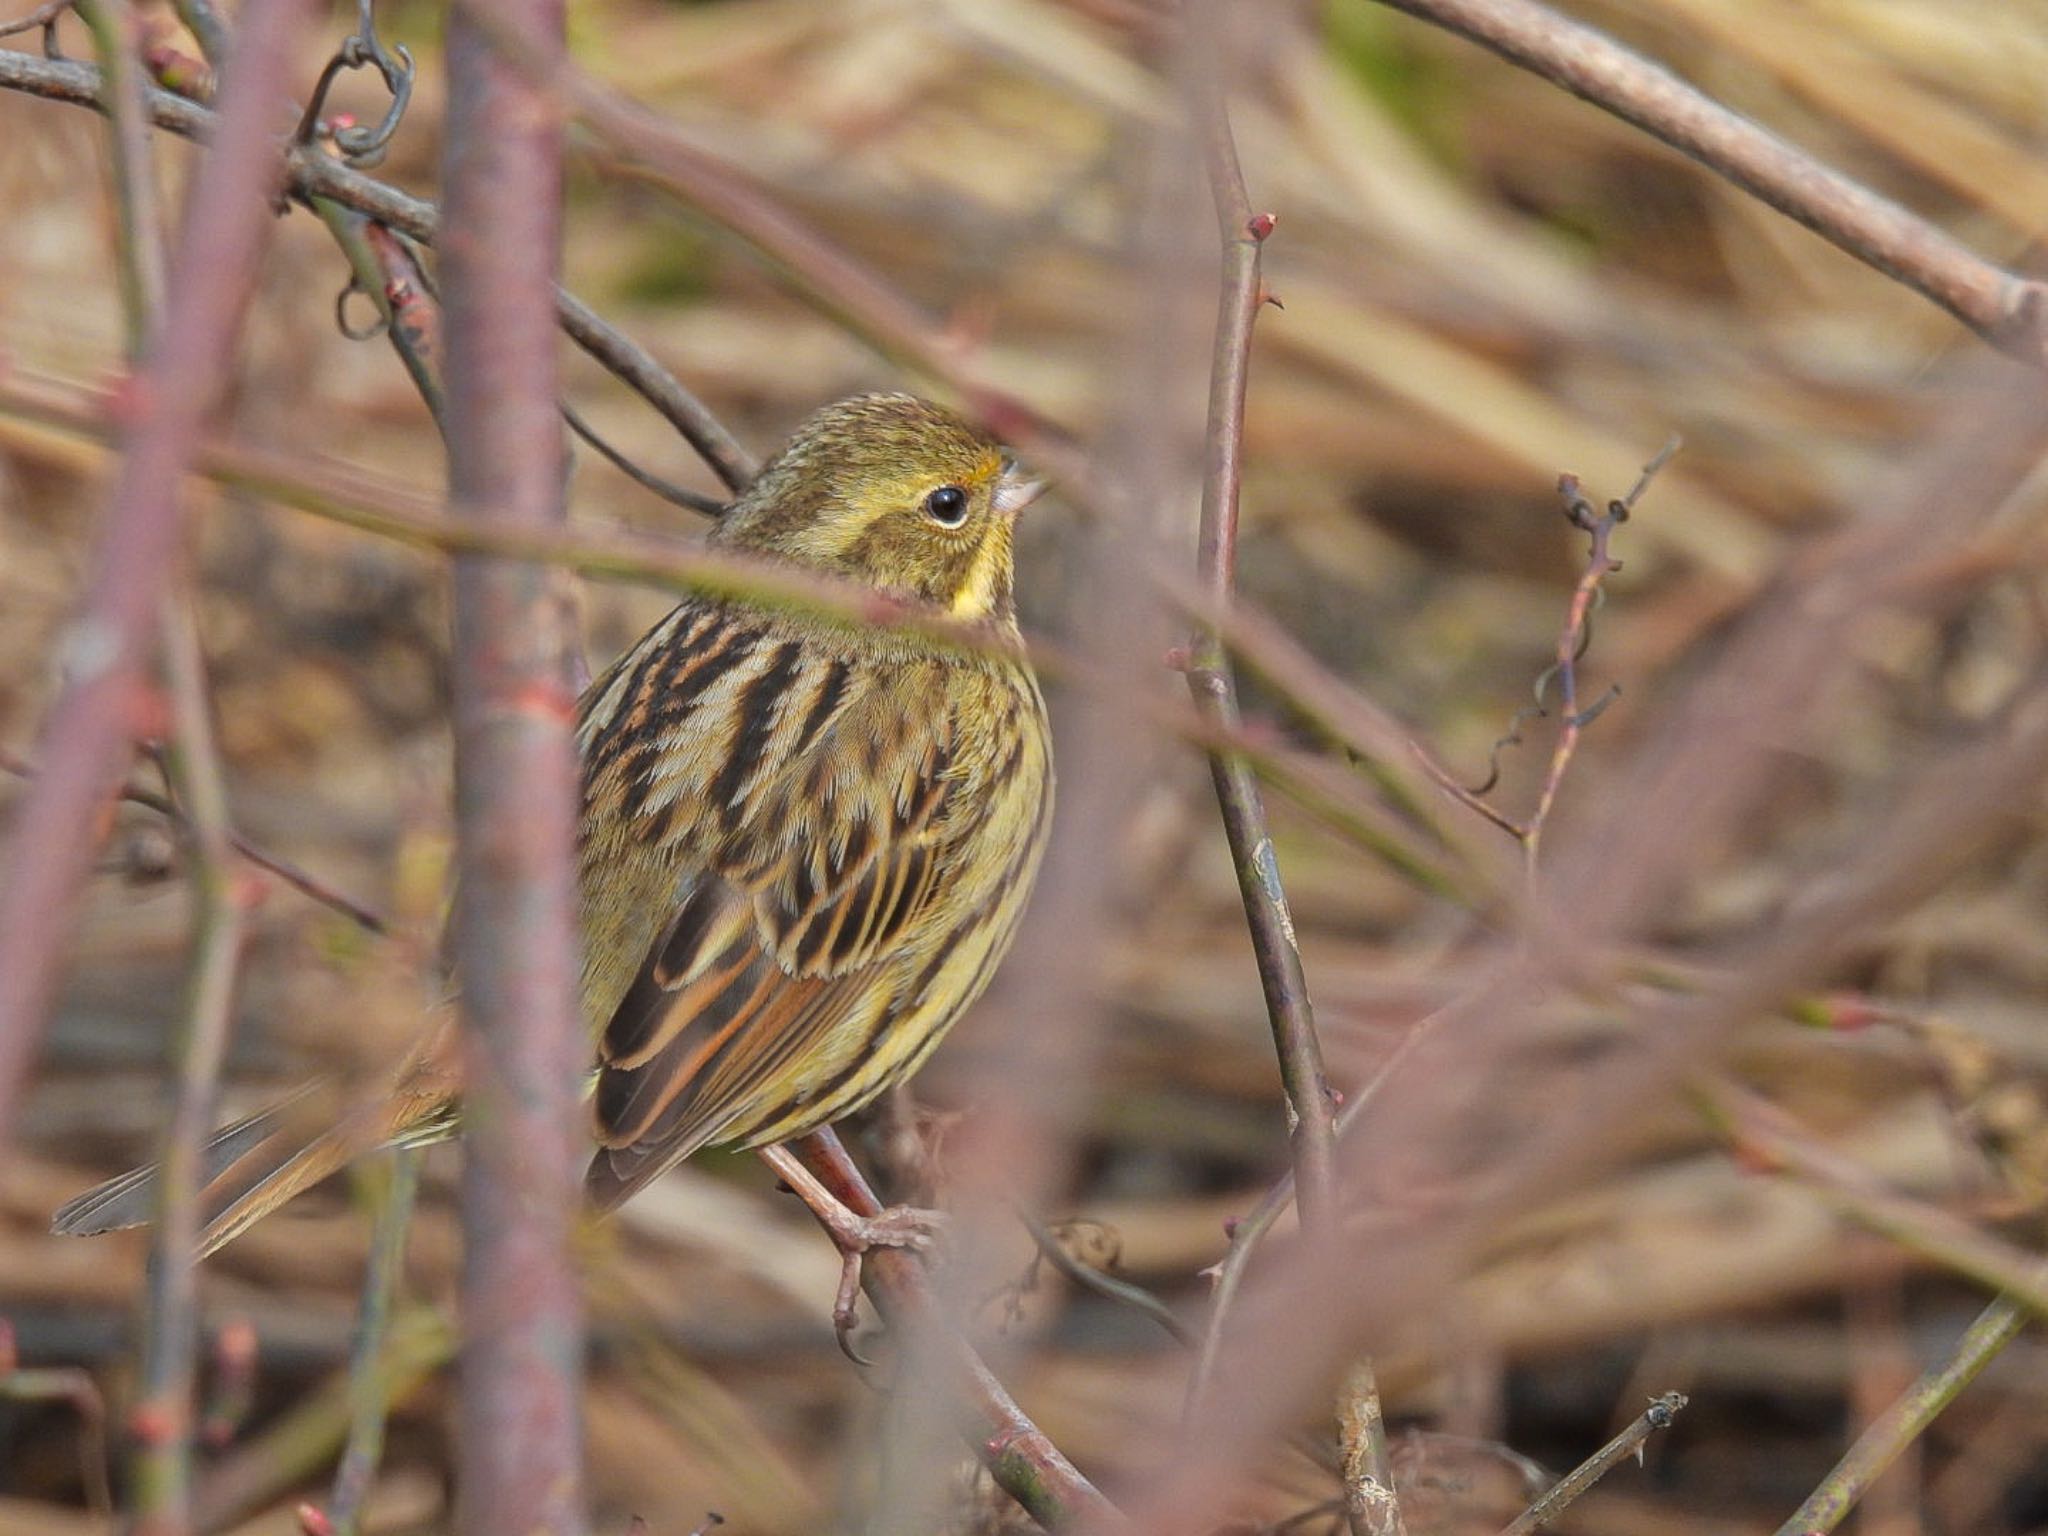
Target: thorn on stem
point(1260, 225)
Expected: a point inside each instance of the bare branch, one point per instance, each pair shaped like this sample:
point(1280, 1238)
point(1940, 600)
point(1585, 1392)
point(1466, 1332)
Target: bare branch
point(525, 1053)
point(162, 1422)
point(291, 874)
point(310, 171)
point(369, 1388)
point(1027, 1465)
point(2008, 311)
point(1906, 1420)
point(1629, 1442)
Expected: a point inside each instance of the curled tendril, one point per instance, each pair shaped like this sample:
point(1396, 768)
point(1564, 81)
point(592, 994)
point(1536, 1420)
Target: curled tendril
point(363, 148)
point(1512, 737)
point(1539, 709)
point(377, 325)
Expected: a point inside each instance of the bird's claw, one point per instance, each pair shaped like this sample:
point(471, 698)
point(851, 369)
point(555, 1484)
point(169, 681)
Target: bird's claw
point(900, 1226)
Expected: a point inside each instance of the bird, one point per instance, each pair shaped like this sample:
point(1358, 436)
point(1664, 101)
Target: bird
point(804, 844)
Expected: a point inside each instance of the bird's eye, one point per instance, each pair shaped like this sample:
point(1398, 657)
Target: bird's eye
point(947, 506)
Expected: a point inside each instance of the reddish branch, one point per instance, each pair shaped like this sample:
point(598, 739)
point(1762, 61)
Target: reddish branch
point(1027, 1465)
point(1215, 692)
point(85, 746)
point(1372, 1506)
point(525, 1051)
point(2009, 312)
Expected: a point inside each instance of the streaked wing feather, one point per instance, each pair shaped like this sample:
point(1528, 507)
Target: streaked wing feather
point(814, 849)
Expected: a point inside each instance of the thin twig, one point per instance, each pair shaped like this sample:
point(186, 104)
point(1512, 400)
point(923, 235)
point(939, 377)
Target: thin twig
point(206, 27)
point(1572, 639)
point(647, 479)
point(1215, 692)
point(1629, 1442)
point(163, 1420)
point(382, 269)
point(525, 1053)
point(369, 1387)
point(2007, 311)
point(1247, 1231)
point(138, 246)
point(310, 172)
point(1103, 1284)
point(635, 366)
point(1906, 1420)
point(1769, 1137)
point(291, 874)
point(1375, 1509)
point(71, 1385)
point(1024, 1463)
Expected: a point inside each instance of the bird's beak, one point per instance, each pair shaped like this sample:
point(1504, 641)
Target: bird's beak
point(1015, 490)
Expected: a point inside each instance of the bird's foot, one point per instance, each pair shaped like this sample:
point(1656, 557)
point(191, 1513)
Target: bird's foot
point(900, 1226)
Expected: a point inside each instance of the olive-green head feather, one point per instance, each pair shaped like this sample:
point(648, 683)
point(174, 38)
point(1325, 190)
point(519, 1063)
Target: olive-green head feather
point(894, 492)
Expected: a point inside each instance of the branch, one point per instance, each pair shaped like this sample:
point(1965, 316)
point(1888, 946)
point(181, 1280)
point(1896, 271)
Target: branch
point(1311, 1116)
point(2007, 311)
point(382, 266)
point(369, 1389)
point(226, 225)
point(1016, 1452)
point(525, 1052)
point(354, 499)
point(311, 172)
point(1629, 1442)
point(1215, 692)
point(1906, 1420)
point(298, 879)
point(162, 1421)
point(1768, 1136)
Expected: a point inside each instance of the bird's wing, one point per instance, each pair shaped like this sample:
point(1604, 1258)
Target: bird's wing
point(819, 839)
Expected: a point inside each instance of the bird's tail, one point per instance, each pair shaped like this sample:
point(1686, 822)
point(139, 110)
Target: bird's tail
point(252, 1167)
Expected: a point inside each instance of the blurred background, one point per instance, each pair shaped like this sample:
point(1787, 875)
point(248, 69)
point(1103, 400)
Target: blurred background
point(1485, 284)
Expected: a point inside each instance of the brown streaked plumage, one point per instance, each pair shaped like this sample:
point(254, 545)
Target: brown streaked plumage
point(805, 844)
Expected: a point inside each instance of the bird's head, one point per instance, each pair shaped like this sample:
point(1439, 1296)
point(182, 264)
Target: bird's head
point(896, 493)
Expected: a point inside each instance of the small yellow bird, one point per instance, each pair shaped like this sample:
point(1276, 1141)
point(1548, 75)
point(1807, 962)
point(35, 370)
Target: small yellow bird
point(805, 843)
